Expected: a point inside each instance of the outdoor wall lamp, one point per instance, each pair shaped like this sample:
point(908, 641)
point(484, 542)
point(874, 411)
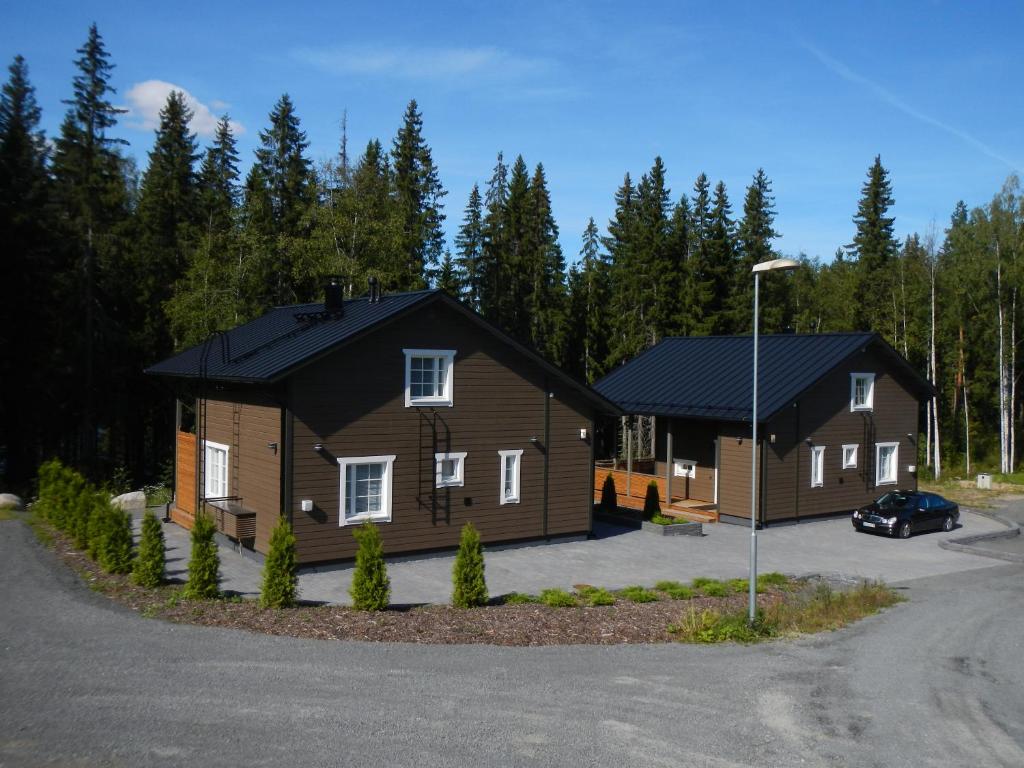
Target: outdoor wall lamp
point(273, 447)
point(583, 433)
point(808, 441)
point(533, 439)
point(318, 447)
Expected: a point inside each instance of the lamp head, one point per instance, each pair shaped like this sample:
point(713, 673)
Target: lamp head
point(773, 264)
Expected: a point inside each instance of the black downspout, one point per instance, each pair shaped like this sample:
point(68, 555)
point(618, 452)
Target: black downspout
point(590, 479)
point(547, 452)
point(286, 464)
point(174, 464)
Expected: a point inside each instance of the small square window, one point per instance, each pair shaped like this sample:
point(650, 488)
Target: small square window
point(817, 466)
point(448, 469)
point(428, 376)
point(684, 468)
point(862, 391)
point(509, 477)
point(850, 456)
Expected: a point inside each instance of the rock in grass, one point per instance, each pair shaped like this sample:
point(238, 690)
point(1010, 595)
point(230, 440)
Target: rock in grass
point(134, 502)
point(9, 501)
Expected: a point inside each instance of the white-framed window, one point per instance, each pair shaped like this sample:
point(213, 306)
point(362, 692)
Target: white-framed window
point(862, 391)
point(429, 375)
point(850, 456)
point(449, 469)
point(365, 489)
point(817, 466)
point(509, 476)
point(684, 468)
point(887, 456)
point(215, 481)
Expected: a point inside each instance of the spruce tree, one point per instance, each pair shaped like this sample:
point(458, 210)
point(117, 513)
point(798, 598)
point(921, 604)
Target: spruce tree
point(544, 264)
point(686, 316)
point(280, 576)
point(656, 273)
point(754, 237)
point(151, 558)
point(448, 279)
point(419, 194)
point(470, 586)
point(720, 267)
point(469, 243)
point(494, 248)
point(204, 560)
point(371, 588)
point(875, 248)
point(515, 275)
point(589, 309)
point(627, 337)
point(115, 554)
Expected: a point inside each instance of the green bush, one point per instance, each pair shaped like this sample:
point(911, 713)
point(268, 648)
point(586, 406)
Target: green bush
point(519, 598)
point(772, 579)
point(675, 590)
point(637, 594)
point(660, 519)
point(713, 626)
point(97, 527)
point(710, 587)
point(151, 558)
point(280, 575)
point(738, 586)
point(609, 497)
point(557, 598)
point(371, 588)
point(470, 587)
point(115, 553)
point(204, 560)
point(652, 501)
point(595, 596)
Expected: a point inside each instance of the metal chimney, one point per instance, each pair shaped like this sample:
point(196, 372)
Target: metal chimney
point(334, 296)
point(374, 292)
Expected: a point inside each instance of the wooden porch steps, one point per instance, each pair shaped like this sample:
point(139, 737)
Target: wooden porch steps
point(684, 509)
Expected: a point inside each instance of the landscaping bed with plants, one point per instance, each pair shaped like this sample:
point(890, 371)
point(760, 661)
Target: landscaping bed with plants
point(78, 522)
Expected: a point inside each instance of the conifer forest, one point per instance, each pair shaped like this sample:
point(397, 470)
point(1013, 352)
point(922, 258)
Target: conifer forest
point(107, 268)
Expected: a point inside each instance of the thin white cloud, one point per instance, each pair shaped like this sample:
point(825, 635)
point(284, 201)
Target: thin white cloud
point(146, 99)
point(409, 63)
point(890, 98)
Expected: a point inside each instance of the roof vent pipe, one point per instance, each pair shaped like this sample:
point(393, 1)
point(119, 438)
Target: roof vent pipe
point(334, 296)
point(374, 285)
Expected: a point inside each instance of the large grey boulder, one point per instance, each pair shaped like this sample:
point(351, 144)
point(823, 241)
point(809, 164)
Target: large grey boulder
point(134, 502)
point(9, 501)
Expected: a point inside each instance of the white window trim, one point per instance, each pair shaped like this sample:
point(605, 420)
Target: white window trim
point(460, 469)
point(817, 466)
point(207, 491)
point(384, 516)
point(895, 463)
point(869, 404)
point(448, 355)
point(514, 499)
point(854, 448)
point(684, 468)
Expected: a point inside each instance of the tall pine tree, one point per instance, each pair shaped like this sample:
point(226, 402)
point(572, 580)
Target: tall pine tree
point(469, 244)
point(875, 248)
point(754, 244)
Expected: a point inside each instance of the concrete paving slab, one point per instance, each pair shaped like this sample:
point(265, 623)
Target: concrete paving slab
point(619, 557)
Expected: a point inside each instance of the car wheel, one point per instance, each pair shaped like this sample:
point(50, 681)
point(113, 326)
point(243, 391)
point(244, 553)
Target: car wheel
point(904, 530)
point(947, 523)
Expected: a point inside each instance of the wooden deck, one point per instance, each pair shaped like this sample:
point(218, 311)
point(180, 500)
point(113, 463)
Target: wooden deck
point(685, 509)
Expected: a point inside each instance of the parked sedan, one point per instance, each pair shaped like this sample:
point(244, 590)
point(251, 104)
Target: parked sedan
point(902, 513)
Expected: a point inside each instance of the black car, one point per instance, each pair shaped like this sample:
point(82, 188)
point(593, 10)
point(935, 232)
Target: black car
point(901, 513)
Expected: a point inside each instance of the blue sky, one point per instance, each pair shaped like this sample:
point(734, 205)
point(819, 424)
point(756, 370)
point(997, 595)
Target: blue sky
point(811, 92)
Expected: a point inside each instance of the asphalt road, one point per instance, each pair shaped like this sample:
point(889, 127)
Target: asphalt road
point(937, 681)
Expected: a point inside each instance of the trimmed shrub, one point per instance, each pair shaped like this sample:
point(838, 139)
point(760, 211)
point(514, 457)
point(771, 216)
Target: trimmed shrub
point(97, 526)
point(609, 497)
point(151, 559)
point(470, 586)
point(557, 598)
point(371, 588)
point(652, 501)
point(280, 579)
point(637, 594)
point(204, 561)
point(115, 554)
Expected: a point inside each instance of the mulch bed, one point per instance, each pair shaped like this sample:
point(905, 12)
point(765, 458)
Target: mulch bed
point(510, 625)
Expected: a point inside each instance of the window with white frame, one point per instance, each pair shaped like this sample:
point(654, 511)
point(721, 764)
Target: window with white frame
point(684, 468)
point(862, 391)
point(428, 376)
point(886, 463)
point(817, 466)
point(365, 489)
point(509, 466)
point(850, 456)
point(215, 483)
point(448, 469)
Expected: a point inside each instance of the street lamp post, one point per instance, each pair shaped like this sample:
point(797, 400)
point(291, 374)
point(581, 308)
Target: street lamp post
point(764, 266)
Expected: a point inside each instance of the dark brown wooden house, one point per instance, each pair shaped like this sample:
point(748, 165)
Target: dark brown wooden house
point(838, 423)
point(407, 410)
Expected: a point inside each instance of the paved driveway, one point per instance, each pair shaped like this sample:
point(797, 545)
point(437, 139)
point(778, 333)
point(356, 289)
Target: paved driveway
point(619, 557)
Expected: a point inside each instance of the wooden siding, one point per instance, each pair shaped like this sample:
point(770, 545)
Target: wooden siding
point(694, 441)
point(248, 424)
point(734, 470)
point(352, 401)
point(185, 473)
point(823, 415)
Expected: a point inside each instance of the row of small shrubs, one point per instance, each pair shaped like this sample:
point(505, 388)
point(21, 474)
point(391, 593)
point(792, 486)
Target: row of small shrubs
point(587, 595)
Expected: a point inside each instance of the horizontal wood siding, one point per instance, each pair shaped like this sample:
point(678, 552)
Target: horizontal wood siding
point(694, 441)
point(185, 473)
point(248, 424)
point(823, 415)
point(352, 401)
point(734, 470)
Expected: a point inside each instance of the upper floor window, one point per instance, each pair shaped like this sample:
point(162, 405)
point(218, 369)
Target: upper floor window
point(428, 376)
point(817, 466)
point(215, 482)
point(449, 469)
point(862, 391)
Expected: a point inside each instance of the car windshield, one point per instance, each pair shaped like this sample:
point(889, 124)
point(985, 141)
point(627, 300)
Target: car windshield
point(895, 499)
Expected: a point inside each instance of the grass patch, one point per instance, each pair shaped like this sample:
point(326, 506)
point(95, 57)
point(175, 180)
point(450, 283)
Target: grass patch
point(674, 589)
point(594, 596)
point(710, 587)
point(519, 598)
point(637, 594)
point(8, 513)
point(557, 598)
point(660, 519)
point(157, 495)
point(813, 609)
point(771, 579)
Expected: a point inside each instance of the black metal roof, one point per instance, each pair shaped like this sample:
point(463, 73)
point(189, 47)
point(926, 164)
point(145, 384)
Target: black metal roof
point(711, 377)
point(267, 349)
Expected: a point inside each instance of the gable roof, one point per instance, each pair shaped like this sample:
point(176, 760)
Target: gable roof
point(711, 377)
point(269, 348)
